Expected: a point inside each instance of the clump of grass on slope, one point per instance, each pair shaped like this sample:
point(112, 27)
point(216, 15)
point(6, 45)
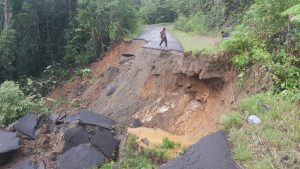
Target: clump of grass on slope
point(273, 143)
point(148, 158)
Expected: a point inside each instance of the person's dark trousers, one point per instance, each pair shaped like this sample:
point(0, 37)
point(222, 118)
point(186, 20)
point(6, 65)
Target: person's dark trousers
point(164, 40)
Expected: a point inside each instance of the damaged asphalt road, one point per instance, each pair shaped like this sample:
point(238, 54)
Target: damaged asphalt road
point(152, 37)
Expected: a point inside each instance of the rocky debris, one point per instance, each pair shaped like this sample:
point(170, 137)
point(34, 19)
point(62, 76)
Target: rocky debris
point(80, 157)
point(25, 164)
point(203, 67)
point(8, 142)
point(88, 117)
point(74, 137)
point(194, 105)
point(105, 141)
point(27, 124)
point(60, 139)
point(136, 123)
point(211, 152)
point(111, 89)
point(253, 119)
point(57, 118)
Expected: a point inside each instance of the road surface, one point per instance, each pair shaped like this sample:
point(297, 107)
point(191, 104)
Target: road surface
point(151, 36)
point(211, 152)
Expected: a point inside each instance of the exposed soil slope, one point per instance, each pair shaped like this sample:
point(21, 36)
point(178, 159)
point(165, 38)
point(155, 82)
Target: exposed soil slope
point(161, 88)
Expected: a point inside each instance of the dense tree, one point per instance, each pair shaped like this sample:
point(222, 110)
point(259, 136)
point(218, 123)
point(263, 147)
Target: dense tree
point(38, 33)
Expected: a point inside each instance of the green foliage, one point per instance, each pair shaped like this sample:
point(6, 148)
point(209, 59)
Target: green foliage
point(214, 14)
point(37, 87)
point(287, 75)
point(294, 12)
point(83, 72)
point(107, 166)
point(157, 11)
point(8, 50)
point(132, 159)
point(168, 144)
point(97, 25)
point(278, 131)
point(194, 23)
point(231, 120)
point(13, 103)
point(74, 32)
point(147, 158)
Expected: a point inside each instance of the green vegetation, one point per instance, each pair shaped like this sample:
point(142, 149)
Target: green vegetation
point(13, 103)
point(272, 143)
point(107, 166)
point(36, 34)
point(232, 120)
point(168, 144)
point(145, 158)
point(192, 42)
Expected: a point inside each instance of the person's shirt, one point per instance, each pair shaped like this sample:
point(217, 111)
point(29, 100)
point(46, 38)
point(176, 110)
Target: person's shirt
point(163, 34)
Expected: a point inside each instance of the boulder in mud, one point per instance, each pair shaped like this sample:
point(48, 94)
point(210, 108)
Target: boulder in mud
point(105, 141)
point(8, 142)
point(74, 137)
point(80, 157)
point(27, 124)
point(88, 117)
point(136, 123)
point(111, 89)
point(25, 164)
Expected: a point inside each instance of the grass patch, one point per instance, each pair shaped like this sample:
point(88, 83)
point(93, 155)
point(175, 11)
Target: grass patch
point(106, 166)
point(231, 120)
point(146, 158)
point(273, 143)
point(192, 42)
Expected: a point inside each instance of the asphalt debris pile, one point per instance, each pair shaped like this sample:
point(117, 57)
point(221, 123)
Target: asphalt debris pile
point(59, 141)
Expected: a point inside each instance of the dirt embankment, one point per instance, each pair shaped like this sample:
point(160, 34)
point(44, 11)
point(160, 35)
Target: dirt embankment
point(164, 89)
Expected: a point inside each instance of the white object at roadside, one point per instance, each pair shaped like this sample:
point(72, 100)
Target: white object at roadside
point(253, 119)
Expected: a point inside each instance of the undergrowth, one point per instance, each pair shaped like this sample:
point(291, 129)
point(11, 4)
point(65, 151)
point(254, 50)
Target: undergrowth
point(273, 143)
point(147, 157)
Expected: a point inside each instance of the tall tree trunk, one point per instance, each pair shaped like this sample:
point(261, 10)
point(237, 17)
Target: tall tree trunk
point(5, 13)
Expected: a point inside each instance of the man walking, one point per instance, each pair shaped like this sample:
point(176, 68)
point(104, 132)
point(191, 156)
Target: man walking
point(163, 37)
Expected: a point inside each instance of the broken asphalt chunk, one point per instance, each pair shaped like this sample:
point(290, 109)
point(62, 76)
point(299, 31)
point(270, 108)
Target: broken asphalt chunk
point(74, 137)
point(211, 152)
point(72, 118)
point(80, 157)
point(8, 142)
point(57, 118)
point(105, 141)
point(88, 117)
point(27, 124)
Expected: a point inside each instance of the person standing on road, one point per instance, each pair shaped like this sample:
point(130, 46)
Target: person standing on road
point(163, 37)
